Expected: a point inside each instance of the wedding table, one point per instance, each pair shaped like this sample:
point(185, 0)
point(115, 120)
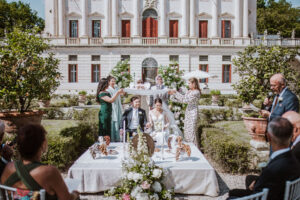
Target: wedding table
point(189, 175)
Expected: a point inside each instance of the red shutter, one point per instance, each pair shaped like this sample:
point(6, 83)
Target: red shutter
point(229, 24)
point(154, 27)
point(223, 68)
point(173, 28)
point(125, 28)
point(203, 29)
point(223, 28)
point(144, 28)
point(229, 73)
point(69, 72)
point(148, 27)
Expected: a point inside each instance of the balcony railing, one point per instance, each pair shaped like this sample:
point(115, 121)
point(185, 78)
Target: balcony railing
point(163, 41)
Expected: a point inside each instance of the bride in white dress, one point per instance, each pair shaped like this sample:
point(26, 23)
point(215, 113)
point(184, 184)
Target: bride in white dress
point(159, 122)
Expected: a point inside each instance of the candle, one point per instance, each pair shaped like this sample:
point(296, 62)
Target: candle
point(123, 138)
point(163, 139)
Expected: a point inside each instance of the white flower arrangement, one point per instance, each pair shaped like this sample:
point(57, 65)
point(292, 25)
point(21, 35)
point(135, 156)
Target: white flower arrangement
point(141, 178)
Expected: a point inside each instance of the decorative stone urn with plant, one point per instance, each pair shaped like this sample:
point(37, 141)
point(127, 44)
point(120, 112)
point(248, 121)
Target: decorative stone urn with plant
point(215, 96)
point(82, 97)
point(255, 65)
point(28, 72)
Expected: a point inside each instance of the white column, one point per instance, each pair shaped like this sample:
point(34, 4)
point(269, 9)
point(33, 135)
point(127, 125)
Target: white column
point(114, 17)
point(237, 18)
point(162, 26)
point(136, 19)
point(214, 23)
point(245, 19)
point(184, 24)
point(192, 18)
point(84, 18)
point(107, 19)
point(61, 18)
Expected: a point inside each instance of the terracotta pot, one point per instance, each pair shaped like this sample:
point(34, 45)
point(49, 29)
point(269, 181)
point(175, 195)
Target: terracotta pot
point(257, 127)
point(215, 99)
point(44, 103)
point(14, 120)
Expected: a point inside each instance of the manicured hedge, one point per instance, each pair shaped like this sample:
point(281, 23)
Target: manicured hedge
point(231, 153)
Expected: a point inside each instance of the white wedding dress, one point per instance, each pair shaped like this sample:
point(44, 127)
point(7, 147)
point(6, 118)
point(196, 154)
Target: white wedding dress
point(159, 133)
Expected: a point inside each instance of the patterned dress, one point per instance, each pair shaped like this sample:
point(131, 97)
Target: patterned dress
point(191, 114)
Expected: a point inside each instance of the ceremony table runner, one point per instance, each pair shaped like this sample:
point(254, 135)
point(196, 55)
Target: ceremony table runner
point(189, 175)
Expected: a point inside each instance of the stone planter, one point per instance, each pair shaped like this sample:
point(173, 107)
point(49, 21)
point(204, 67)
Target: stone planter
point(256, 127)
point(44, 103)
point(81, 100)
point(14, 120)
point(215, 100)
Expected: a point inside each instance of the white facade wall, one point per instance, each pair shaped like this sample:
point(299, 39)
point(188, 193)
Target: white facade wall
point(111, 29)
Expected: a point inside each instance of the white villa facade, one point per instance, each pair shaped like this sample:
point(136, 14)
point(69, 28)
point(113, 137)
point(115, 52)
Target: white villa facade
point(91, 36)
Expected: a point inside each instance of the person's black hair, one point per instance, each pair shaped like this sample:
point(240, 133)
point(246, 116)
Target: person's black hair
point(282, 130)
point(158, 100)
point(103, 84)
point(30, 139)
point(134, 98)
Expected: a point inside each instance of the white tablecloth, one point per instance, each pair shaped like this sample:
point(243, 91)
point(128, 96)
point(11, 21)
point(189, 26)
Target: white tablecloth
point(144, 92)
point(189, 175)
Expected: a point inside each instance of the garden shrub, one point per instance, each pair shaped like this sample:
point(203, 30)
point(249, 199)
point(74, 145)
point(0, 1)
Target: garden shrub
point(205, 101)
point(53, 113)
point(232, 154)
point(86, 114)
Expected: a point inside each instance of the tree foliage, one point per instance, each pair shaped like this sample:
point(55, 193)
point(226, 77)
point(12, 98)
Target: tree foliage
point(122, 74)
point(276, 16)
point(27, 72)
point(256, 64)
point(20, 15)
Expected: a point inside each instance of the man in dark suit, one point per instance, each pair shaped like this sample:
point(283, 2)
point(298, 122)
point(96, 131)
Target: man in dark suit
point(134, 117)
point(282, 166)
point(284, 101)
point(294, 118)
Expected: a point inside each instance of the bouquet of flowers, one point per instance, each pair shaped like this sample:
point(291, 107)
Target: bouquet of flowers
point(122, 74)
point(172, 77)
point(141, 179)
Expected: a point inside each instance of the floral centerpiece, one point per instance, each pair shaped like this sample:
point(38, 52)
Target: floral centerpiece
point(172, 77)
point(141, 179)
point(122, 74)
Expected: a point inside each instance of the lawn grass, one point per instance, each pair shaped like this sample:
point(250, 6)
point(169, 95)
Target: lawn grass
point(234, 128)
point(53, 127)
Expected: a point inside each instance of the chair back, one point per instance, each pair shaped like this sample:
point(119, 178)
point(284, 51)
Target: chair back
point(10, 193)
point(292, 190)
point(257, 196)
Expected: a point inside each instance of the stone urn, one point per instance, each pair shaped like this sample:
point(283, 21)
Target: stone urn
point(13, 120)
point(256, 127)
point(215, 100)
point(44, 103)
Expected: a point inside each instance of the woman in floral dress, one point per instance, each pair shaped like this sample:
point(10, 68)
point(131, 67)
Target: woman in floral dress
point(191, 113)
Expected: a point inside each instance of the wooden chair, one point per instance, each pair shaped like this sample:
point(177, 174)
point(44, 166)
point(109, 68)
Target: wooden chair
point(10, 193)
point(257, 196)
point(292, 190)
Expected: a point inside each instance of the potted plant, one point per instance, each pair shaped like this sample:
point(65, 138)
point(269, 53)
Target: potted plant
point(27, 73)
point(82, 97)
point(215, 96)
point(255, 65)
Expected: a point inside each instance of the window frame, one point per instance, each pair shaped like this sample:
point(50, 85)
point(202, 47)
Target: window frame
point(69, 73)
point(223, 70)
point(70, 28)
point(92, 72)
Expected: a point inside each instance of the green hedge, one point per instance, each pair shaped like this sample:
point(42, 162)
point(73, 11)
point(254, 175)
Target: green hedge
point(228, 151)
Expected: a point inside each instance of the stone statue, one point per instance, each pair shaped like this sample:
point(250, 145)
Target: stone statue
point(293, 34)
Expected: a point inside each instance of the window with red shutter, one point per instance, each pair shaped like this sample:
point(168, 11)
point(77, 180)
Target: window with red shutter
point(226, 29)
point(173, 32)
point(203, 29)
point(125, 28)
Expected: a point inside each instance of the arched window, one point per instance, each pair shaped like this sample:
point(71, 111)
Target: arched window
point(150, 23)
point(149, 70)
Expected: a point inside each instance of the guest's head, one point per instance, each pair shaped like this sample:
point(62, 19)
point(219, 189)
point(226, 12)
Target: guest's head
point(2, 129)
point(193, 84)
point(277, 83)
point(102, 86)
point(140, 81)
point(280, 132)
point(159, 80)
point(31, 141)
point(294, 118)
point(111, 81)
point(158, 103)
point(135, 102)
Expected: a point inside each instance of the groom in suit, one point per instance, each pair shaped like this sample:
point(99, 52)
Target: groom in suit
point(282, 166)
point(134, 117)
point(284, 101)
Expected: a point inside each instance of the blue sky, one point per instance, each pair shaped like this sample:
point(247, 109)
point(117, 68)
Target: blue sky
point(38, 5)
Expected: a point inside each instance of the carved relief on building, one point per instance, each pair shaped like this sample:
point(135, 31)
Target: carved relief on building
point(150, 4)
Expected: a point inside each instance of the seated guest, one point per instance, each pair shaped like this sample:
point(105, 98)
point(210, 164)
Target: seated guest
point(5, 149)
point(294, 118)
point(282, 166)
point(134, 117)
point(29, 173)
